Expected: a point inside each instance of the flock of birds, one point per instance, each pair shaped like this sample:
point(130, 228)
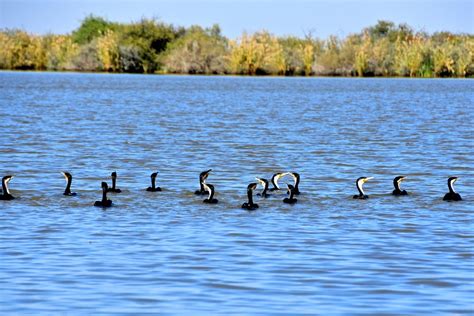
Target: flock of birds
point(206, 188)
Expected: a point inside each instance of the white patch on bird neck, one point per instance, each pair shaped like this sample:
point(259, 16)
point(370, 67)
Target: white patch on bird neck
point(208, 189)
point(6, 185)
point(360, 183)
point(451, 183)
point(277, 177)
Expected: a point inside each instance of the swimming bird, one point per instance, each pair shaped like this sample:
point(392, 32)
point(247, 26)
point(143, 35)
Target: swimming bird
point(296, 178)
point(210, 189)
point(291, 199)
point(359, 183)
point(250, 205)
point(153, 188)
point(275, 179)
point(264, 183)
point(6, 196)
point(452, 195)
point(202, 179)
point(104, 202)
point(396, 184)
point(68, 178)
point(114, 180)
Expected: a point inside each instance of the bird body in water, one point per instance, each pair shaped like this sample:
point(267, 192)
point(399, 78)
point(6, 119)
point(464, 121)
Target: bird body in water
point(359, 183)
point(6, 195)
point(275, 179)
point(291, 199)
point(210, 189)
point(396, 184)
point(250, 205)
point(296, 178)
point(68, 178)
point(202, 179)
point(452, 195)
point(104, 202)
point(153, 188)
point(113, 189)
point(264, 183)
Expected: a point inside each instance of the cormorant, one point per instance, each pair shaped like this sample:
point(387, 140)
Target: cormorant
point(68, 178)
point(359, 183)
point(153, 188)
point(114, 180)
point(104, 202)
point(6, 196)
point(396, 184)
point(452, 195)
point(296, 178)
point(250, 205)
point(291, 199)
point(210, 189)
point(202, 179)
point(264, 183)
point(275, 179)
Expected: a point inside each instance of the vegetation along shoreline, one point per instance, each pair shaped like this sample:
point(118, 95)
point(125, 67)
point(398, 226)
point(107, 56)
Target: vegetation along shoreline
point(154, 47)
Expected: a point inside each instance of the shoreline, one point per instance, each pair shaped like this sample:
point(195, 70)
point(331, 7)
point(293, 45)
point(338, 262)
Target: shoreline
point(222, 75)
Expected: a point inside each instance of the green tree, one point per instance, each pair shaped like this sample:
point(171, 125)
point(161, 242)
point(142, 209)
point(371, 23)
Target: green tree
point(91, 28)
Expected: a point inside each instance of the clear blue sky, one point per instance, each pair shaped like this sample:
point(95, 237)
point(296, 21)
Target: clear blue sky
point(281, 17)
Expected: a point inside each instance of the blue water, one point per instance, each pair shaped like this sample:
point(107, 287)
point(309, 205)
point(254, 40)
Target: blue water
point(170, 253)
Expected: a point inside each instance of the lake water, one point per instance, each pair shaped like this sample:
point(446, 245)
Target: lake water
point(170, 253)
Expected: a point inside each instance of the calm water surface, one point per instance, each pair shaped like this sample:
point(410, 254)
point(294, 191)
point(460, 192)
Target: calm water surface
point(168, 252)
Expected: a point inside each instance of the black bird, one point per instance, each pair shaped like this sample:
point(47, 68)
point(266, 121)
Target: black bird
point(264, 183)
point(104, 202)
point(68, 178)
point(153, 188)
point(275, 179)
point(202, 179)
point(6, 196)
point(114, 180)
point(291, 199)
point(250, 205)
point(396, 184)
point(210, 189)
point(359, 183)
point(452, 195)
point(296, 178)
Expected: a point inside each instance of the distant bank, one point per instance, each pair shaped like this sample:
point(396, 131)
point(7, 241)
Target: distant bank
point(151, 46)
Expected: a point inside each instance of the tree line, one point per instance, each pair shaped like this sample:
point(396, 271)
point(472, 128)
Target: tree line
point(151, 46)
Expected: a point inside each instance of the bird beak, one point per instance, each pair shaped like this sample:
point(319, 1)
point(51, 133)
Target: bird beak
point(368, 178)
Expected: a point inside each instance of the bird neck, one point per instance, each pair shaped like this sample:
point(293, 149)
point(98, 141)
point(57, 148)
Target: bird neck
point(451, 187)
point(153, 183)
point(396, 184)
point(113, 183)
point(297, 182)
point(104, 195)
point(292, 194)
point(359, 187)
point(5, 188)
point(275, 185)
point(211, 195)
point(250, 196)
point(68, 186)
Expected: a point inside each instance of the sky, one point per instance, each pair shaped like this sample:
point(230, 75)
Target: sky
point(280, 17)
